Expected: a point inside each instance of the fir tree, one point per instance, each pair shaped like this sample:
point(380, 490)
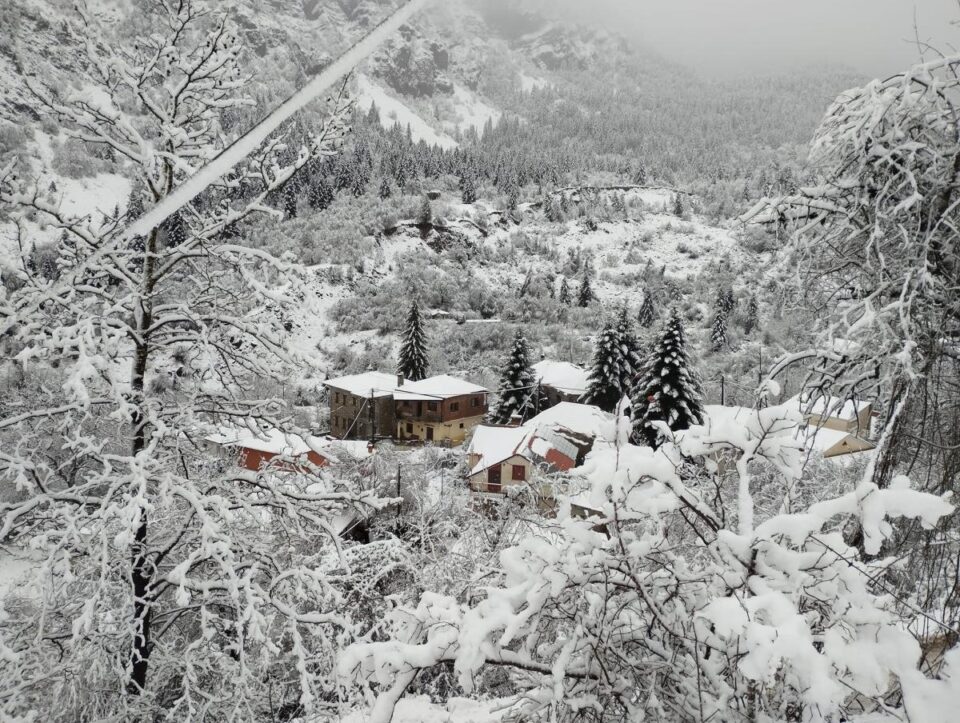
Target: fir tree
point(518, 385)
point(468, 188)
point(605, 386)
point(585, 295)
point(564, 296)
point(677, 205)
point(718, 335)
point(647, 313)
point(668, 389)
point(425, 213)
point(385, 191)
point(412, 363)
point(726, 300)
point(321, 194)
point(632, 358)
point(752, 320)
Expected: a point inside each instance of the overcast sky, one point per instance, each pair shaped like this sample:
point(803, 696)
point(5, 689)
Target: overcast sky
point(873, 36)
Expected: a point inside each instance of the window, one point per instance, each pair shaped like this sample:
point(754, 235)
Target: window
point(475, 402)
point(519, 473)
point(454, 406)
point(409, 428)
point(432, 406)
point(461, 425)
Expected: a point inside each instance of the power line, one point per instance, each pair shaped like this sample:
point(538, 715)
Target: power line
point(254, 138)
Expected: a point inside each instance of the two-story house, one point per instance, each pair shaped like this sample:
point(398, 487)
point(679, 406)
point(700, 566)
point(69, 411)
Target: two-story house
point(362, 406)
point(441, 409)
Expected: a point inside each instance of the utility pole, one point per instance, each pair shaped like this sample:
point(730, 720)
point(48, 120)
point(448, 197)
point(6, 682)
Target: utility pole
point(373, 420)
point(536, 400)
point(723, 396)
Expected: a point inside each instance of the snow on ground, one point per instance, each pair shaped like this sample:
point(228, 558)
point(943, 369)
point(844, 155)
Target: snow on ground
point(472, 111)
point(393, 110)
point(419, 709)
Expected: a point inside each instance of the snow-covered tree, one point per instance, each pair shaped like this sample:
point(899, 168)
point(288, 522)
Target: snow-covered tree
point(607, 372)
point(172, 586)
point(751, 319)
point(668, 389)
point(425, 213)
point(632, 353)
point(564, 295)
point(385, 190)
point(678, 209)
point(672, 604)
point(718, 330)
point(585, 294)
point(518, 388)
point(412, 362)
point(877, 239)
point(648, 313)
point(468, 189)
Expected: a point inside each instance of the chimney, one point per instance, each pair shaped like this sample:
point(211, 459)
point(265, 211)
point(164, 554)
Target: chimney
point(399, 379)
point(516, 420)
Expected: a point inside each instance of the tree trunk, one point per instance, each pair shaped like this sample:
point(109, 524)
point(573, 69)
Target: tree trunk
point(141, 574)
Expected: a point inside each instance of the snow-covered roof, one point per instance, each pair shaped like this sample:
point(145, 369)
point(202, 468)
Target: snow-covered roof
point(820, 439)
point(361, 385)
point(825, 406)
point(438, 387)
point(278, 442)
point(382, 384)
point(496, 444)
point(272, 441)
point(582, 419)
point(563, 376)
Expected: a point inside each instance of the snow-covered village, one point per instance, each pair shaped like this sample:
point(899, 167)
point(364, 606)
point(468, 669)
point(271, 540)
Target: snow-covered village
point(479, 361)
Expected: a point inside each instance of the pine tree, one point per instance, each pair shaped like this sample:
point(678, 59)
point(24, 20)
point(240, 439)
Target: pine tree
point(752, 320)
point(321, 194)
point(425, 213)
point(677, 205)
point(605, 383)
point(585, 295)
point(518, 385)
point(668, 389)
point(647, 313)
point(726, 300)
point(564, 296)
point(631, 352)
point(468, 188)
point(412, 363)
point(385, 191)
point(718, 335)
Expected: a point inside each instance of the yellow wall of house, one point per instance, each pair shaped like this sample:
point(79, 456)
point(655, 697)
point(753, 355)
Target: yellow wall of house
point(443, 432)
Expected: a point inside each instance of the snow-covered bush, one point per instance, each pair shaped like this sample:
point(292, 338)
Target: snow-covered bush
point(673, 603)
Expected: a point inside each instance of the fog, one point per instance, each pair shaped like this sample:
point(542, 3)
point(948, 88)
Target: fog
point(875, 37)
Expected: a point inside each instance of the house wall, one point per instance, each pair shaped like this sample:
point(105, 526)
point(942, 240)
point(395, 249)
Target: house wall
point(478, 482)
point(554, 396)
point(454, 432)
point(350, 418)
point(445, 410)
